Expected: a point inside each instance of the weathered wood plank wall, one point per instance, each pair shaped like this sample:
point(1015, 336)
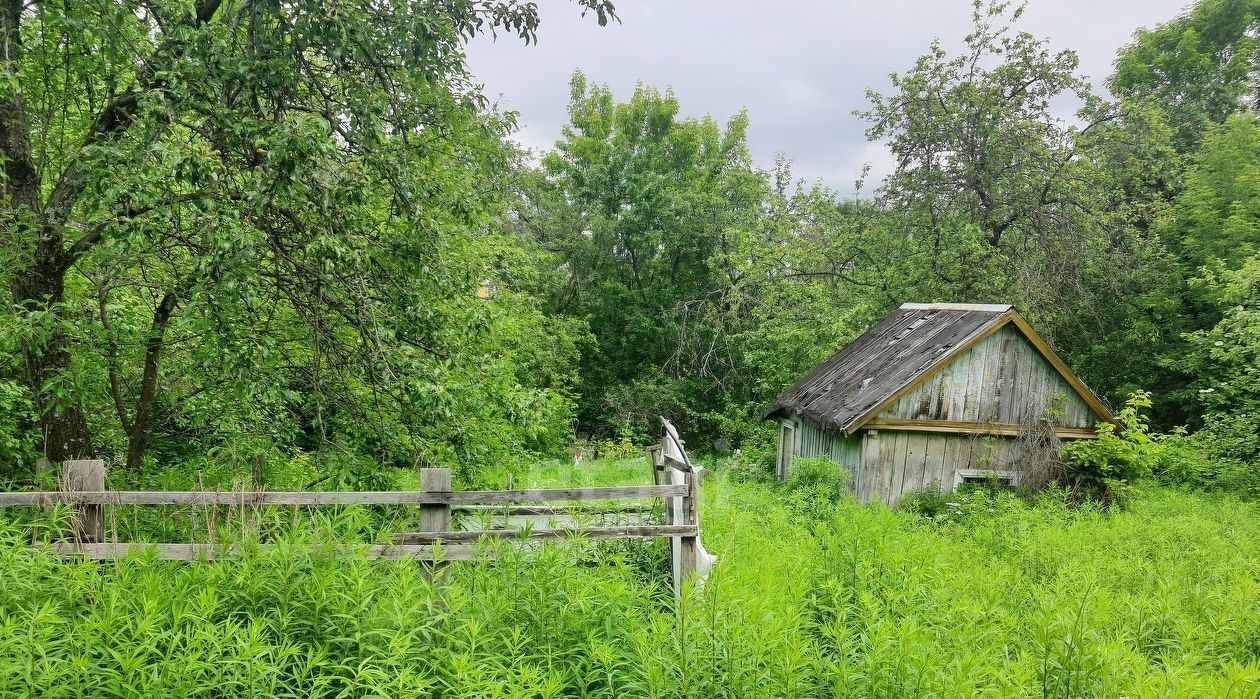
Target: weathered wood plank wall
point(897, 462)
point(1003, 379)
point(887, 463)
point(1001, 382)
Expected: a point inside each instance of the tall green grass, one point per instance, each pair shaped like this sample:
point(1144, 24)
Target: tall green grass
point(812, 597)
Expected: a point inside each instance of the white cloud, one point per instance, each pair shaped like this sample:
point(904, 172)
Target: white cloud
point(800, 67)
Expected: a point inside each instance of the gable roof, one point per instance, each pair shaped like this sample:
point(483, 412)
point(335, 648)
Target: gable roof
point(897, 353)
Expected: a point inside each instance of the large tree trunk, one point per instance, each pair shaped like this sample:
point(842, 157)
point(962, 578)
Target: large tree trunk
point(62, 422)
point(40, 287)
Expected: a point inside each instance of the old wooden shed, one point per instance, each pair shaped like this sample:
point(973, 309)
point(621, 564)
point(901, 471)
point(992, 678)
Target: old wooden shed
point(936, 395)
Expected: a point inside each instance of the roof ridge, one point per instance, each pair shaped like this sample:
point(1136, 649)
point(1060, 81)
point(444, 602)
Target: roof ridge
point(990, 307)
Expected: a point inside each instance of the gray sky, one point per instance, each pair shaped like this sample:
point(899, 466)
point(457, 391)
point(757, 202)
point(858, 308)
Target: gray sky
point(800, 67)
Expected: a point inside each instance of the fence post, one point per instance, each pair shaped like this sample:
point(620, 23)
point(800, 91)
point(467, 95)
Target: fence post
point(86, 475)
point(687, 545)
point(43, 471)
point(435, 517)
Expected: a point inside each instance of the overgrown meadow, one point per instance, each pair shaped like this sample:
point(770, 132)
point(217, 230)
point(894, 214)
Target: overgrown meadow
point(814, 595)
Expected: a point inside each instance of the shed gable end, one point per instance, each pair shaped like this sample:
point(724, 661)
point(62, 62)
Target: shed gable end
point(1003, 379)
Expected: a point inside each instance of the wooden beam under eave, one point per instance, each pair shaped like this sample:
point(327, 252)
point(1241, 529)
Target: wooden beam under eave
point(973, 428)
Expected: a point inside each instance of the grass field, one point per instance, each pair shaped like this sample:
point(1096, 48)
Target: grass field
point(813, 596)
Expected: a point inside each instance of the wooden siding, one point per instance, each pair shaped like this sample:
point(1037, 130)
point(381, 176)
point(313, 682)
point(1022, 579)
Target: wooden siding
point(898, 462)
point(1003, 379)
point(975, 428)
point(885, 464)
point(811, 441)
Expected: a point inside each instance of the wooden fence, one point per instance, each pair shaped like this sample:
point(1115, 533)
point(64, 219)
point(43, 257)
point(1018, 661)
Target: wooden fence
point(82, 485)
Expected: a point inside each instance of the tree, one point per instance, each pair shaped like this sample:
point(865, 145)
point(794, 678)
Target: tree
point(638, 205)
point(1198, 68)
point(284, 183)
point(988, 176)
point(995, 197)
point(1224, 363)
point(805, 281)
point(1216, 216)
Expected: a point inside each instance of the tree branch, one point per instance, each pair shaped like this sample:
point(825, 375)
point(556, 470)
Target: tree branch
point(21, 183)
point(89, 239)
point(112, 121)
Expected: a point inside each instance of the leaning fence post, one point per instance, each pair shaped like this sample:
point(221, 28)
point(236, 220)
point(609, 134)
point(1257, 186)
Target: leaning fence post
point(86, 475)
point(435, 517)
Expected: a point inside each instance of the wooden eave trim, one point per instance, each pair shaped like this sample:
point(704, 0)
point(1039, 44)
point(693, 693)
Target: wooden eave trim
point(1001, 429)
point(1050, 356)
point(984, 332)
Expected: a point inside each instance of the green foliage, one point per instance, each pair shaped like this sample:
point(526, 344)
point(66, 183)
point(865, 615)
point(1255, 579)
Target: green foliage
point(709, 286)
point(995, 197)
point(815, 485)
point(990, 194)
point(270, 226)
point(1194, 74)
point(17, 411)
point(931, 502)
point(1198, 68)
point(1223, 365)
point(1233, 443)
point(1225, 359)
point(855, 601)
point(638, 205)
point(973, 501)
point(754, 460)
point(1215, 217)
point(1219, 457)
point(1122, 454)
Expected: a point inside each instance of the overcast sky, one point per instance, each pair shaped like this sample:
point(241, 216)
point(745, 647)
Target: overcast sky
point(800, 67)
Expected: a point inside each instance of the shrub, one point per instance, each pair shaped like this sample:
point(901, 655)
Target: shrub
point(1224, 455)
point(931, 502)
point(966, 502)
point(17, 443)
point(754, 461)
point(1104, 467)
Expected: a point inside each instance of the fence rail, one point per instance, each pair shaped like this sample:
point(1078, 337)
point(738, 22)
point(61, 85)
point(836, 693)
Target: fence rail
point(594, 508)
point(632, 531)
point(383, 497)
point(195, 552)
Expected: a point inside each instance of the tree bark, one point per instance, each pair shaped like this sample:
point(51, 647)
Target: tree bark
point(63, 424)
point(142, 423)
